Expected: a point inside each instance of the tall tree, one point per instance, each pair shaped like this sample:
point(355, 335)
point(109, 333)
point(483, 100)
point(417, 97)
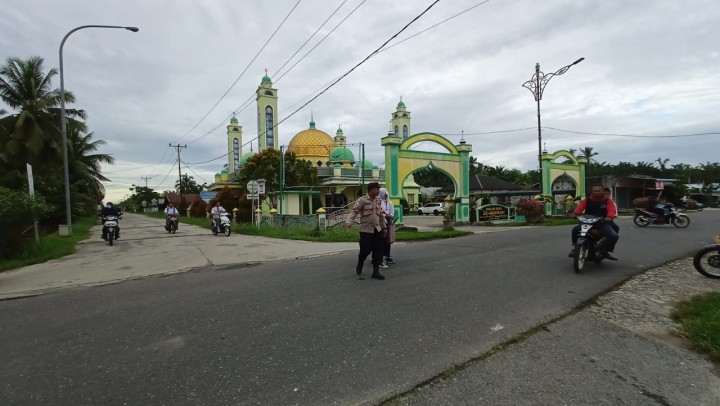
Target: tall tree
point(33, 130)
point(589, 154)
point(187, 185)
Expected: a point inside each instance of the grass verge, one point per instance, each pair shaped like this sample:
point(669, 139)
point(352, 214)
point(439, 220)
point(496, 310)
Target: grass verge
point(700, 321)
point(51, 246)
point(332, 235)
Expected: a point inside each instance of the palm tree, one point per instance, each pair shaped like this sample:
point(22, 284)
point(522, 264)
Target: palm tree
point(587, 153)
point(85, 168)
point(32, 132)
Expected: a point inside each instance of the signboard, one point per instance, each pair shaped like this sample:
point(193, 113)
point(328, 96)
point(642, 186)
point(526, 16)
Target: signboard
point(207, 196)
point(493, 212)
point(255, 188)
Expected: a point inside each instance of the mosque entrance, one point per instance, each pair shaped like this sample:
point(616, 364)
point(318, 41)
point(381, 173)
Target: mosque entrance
point(401, 161)
point(563, 174)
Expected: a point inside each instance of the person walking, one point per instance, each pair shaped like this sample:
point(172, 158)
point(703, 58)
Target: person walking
point(373, 229)
point(389, 211)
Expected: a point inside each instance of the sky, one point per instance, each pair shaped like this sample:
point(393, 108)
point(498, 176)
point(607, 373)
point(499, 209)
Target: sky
point(651, 69)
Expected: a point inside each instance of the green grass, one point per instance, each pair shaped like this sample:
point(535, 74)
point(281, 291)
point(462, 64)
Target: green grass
point(331, 235)
point(700, 320)
point(51, 246)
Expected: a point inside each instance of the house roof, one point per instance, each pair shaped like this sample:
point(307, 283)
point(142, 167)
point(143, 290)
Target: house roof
point(485, 182)
point(175, 197)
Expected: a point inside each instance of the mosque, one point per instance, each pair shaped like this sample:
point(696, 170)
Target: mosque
point(342, 169)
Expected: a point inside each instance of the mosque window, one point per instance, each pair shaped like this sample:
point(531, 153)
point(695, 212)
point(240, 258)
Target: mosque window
point(397, 133)
point(236, 152)
point(268, 92)
point(269, 128)
point(405, 132)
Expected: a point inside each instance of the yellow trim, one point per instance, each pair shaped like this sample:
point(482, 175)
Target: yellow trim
point(436, 138)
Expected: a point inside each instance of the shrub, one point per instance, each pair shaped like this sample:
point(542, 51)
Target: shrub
point(199, 208)
point(529, 208)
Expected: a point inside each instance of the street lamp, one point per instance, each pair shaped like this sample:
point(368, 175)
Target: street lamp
point(536, 85)
point(63, 125)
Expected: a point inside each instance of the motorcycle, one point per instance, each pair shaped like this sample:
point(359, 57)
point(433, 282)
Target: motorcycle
point(644, 217)
point(111, 225)
point(707, 260)
point(221, 226)
point(171, 224)
point(691, 205)
point(590, 246)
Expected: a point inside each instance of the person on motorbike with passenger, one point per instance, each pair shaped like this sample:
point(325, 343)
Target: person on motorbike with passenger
point(170, 210)
point(599, 205)
point(614, 225)
point(109, 210)
point(215, 212)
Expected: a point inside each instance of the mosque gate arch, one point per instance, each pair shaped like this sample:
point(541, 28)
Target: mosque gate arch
point(401, 161)
point(573, 168)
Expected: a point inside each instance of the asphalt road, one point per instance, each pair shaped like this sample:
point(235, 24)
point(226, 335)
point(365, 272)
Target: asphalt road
point(308, 332)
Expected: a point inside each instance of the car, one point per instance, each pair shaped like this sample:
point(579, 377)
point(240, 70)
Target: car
point(432, 208)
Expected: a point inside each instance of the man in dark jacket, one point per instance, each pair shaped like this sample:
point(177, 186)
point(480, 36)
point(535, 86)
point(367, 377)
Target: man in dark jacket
point(109, 210)
point(600, 205)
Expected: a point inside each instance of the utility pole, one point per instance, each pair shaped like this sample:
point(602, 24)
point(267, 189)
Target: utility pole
point(180, 185)
point(146, 179)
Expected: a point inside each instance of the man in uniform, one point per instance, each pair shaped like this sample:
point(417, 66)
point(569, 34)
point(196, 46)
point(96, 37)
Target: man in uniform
point(373, 229)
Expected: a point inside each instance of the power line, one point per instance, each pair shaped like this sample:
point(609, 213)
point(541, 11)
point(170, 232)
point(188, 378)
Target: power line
point(435, 25)
point(243, 72)
point(196, 174)
point(166, 176)
point(244, 105)
point(339, 78)
point(634, 135)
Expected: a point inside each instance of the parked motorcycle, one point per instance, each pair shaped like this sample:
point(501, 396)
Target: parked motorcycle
point(171, 224)
point(591, 245)
point(707, 260)
point(691, 205)
point(223, 226)
point(110, 223)
point(644, 217)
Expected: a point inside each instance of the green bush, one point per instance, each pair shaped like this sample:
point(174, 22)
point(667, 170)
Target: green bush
point(18, 210)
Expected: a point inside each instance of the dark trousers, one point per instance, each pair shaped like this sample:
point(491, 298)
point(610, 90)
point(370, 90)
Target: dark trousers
point(611, 236)
point(371, 243)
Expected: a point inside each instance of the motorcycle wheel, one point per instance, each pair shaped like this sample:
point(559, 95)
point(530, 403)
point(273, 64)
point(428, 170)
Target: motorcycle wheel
point(110, 238)
point(681, 221)
point(174, 228)
point(227, 231)
point(581, 253)
point(708, 265)
point(700, 208)
point(214, 231)
point(640, 221)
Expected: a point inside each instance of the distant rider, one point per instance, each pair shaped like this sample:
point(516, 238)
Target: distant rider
point(170, 210)
point(598, 204)
point(109, 210)
point(215, 212)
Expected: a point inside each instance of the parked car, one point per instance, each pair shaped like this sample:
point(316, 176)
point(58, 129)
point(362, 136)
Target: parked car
point(432, 208)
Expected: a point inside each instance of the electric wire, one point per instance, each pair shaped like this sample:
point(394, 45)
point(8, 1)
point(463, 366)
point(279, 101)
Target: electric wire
point(243, 72)
point(244, 105)
point(193, 171)
point(168, 174)
point(341, 76)
point(634, 135)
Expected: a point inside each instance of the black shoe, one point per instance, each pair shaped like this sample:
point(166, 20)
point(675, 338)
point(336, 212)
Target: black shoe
point(358, 269)
point(610, 256)
point(572, 253)
point(389, 260)
point(378, 276)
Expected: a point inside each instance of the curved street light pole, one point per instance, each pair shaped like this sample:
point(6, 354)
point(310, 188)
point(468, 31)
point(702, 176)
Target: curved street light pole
point(63, 125)
point(536, 85)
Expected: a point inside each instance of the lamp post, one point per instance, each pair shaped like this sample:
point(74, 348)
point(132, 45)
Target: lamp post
point(63, 125)
point(536, 85)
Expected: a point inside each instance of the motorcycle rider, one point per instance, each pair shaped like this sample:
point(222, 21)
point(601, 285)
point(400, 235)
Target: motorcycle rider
point(215, 212)
point(599, 205)
point(170, 210)
point(109, 210)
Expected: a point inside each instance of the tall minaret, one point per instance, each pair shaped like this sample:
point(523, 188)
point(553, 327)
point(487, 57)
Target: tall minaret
point(401, 121)
point(340, 140)
point(234, 137)
point(267, 114)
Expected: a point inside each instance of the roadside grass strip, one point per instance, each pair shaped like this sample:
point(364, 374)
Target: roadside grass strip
point(700, 321)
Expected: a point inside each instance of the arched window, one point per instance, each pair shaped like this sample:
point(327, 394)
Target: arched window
point(405, 132)
point(397, 134)
point(236, 152)
point(270, 130)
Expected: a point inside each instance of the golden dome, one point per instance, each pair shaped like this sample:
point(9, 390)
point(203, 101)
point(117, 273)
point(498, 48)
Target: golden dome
point(312, 144)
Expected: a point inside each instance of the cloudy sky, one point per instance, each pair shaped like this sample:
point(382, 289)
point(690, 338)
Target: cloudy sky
point(651, 68)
